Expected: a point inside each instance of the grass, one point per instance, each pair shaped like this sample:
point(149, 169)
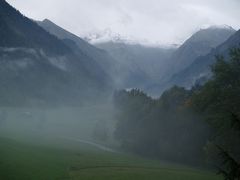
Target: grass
point(61, 159)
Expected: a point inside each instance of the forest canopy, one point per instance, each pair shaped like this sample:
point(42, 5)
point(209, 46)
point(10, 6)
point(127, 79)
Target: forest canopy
point(186, 125)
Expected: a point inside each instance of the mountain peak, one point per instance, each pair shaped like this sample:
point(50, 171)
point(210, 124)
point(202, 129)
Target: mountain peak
point(20, 31)
point(105, 35)
point(215, 34)
point(200, 44)
point(109, 36)
point(223, 26)
point(46, 21)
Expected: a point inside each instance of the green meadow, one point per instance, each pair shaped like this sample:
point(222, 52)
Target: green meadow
point(56, 158)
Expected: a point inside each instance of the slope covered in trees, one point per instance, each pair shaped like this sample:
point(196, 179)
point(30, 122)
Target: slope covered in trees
point(219, 101)
point(165, 128)
point(182, 123)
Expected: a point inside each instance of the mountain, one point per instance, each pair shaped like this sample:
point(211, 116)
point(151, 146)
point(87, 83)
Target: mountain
point(83, 46)
point(141, 65)
point(39, 68)
point(199, 71)
point(97, 55)
point(108, 35)
point(199, 44)
point(105, 35)
point(18, 31)
point(129, 65)
point(145, 65)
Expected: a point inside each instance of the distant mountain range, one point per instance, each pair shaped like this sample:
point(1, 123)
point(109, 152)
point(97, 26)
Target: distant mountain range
point(42, 63)
point(199, 44)
point(129, 65)
point(151, 68)
point(38, 68)
point(100, 57)
point(200, 68)
point(142, 65)
point(197, 57)
point(107, 36)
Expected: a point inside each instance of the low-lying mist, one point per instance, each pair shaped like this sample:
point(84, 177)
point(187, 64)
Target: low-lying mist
point(93, 123)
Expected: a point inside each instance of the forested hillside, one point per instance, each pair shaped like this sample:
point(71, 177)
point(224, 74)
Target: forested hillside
point(37, 68)
point(182, 124)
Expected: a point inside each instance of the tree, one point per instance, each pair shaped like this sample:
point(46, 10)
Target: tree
point(219, 101)
point(164, 128)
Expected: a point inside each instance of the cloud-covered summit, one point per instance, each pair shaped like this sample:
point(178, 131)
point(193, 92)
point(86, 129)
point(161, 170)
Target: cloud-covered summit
point(161, 21)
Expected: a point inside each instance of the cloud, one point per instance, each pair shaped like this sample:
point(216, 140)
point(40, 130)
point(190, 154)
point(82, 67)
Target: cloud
point(164, 21)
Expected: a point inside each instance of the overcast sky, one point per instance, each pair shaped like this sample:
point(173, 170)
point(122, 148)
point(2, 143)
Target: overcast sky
point(163, 21)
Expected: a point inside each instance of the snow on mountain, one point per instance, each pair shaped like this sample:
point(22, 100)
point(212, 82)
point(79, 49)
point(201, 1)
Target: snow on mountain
point(107, 35)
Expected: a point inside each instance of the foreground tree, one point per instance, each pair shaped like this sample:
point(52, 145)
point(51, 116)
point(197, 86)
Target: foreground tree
point(219, 101)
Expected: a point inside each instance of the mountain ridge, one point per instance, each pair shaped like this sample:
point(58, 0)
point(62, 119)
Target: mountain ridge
point(37, 67)
point(199, 45)
point(199, 71)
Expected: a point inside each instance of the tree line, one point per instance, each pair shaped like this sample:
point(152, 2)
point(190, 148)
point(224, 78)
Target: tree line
point(187, 126)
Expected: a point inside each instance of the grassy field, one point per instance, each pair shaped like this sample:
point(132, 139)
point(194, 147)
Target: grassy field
point(62, 159)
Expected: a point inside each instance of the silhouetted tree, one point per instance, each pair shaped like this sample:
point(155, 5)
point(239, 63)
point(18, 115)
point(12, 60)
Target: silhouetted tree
point(219, 101)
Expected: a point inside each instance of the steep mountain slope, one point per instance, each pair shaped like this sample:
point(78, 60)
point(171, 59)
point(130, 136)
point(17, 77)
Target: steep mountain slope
point(194, 51)
point(129, 65)
point(200, 69)
point(97, 55)
point(199, 44)
point(18, 31)
point(144, 66)
point(141, 65)
point(37, 67)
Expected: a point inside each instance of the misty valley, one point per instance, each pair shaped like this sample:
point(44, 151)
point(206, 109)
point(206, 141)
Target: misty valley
point(108, 106)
